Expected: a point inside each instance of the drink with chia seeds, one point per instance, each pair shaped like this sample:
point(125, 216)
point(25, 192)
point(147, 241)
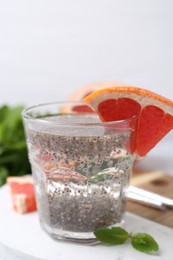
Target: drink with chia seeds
point(81, 170)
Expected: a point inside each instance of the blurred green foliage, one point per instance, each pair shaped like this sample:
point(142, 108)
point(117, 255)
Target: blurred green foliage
point(13, 149)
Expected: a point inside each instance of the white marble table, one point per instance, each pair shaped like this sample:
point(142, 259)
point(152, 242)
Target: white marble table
point(21, 237)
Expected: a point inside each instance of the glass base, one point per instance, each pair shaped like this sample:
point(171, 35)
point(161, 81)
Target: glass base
point(87, 238)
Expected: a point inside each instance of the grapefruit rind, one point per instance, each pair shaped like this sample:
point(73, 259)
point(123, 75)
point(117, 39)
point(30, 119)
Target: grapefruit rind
point(21, 180)
point(143, 96)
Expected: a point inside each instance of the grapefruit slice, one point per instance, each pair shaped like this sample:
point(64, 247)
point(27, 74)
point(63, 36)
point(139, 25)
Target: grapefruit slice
point(84, 91)
point(155, 113)
point(22, 193)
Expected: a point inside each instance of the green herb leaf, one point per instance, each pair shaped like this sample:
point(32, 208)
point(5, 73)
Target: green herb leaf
point(144, 242)
point(13, 149)
point(112, 236)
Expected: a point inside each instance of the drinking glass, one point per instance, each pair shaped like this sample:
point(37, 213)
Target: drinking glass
point(81, 168)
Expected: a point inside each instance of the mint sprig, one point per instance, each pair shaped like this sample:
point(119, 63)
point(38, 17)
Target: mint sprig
point(116, 235)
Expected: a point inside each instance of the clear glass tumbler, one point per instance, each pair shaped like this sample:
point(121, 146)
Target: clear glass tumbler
point(81, 168)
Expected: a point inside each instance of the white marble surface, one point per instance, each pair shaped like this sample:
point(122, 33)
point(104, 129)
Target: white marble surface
point(21, 237)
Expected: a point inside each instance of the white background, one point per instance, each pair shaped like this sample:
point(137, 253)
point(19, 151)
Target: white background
point(50, 48)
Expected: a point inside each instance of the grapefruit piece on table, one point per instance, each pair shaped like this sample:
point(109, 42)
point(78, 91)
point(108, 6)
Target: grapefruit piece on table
point(22, 193)
point(84, 91)
point(154, 112)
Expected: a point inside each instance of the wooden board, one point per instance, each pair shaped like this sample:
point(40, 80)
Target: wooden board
point(157, 182)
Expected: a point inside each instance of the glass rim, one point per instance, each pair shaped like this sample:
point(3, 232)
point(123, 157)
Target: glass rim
point(47, 122)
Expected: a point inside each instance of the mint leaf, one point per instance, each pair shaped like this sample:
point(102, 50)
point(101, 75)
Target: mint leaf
point(112, 236)
point(144, 242)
